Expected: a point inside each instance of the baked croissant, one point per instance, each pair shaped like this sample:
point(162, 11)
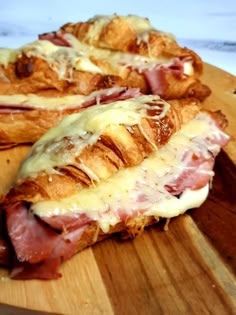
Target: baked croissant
point(169, 70)
point(116, 167)
point(63, 72)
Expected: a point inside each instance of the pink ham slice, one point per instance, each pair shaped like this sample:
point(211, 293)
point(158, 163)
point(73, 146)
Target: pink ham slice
point(56, 38)
point(48, 269)
point(67, 223)
point(39, 249)
point(156, 77)
point(156, 80)
point(118, 95)
point(196, 175)
point(104, 97)
point(33, 241)
point(199, 168)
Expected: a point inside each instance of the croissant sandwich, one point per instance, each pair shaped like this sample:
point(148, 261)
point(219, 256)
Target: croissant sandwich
point(83, 63)
point(142, 55)
point(111, 168)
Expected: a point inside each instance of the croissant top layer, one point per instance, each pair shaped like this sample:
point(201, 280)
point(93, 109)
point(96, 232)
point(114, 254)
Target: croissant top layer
point(90, 146)
point(131, 34)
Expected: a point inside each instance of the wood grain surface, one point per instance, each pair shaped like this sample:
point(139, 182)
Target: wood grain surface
point(189, 269)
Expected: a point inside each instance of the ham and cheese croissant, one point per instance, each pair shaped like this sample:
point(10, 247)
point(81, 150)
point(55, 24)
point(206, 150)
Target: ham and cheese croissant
point(116, 167)
point(85, 63)
point(149, 55)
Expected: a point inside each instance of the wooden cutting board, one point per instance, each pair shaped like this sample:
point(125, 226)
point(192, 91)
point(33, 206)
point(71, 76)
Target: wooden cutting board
point(189, 269)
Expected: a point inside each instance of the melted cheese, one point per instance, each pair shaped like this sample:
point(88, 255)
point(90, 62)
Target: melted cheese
point(99, 21)
point(135, 188)
point(84, 128)
point(59, 58)
point(55, 103)
point(7, 56)
point(119, 59)
point(139, 24)
point(188, 68)
point(167, 207)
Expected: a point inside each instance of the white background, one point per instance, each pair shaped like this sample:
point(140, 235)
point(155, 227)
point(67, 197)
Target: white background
point(207, 26)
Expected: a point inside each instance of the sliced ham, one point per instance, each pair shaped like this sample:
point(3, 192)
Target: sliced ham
point(55, 38)
point(118, 94)
point(100, 97)
point(39, 249)
point(156, 77)
point(32, 240)
point(13, 109)
point(199, 166)
point(48, 269)
point(4, 253)
point(65, 223)
point(218, 139)
point(156, 80)
point(196, 175)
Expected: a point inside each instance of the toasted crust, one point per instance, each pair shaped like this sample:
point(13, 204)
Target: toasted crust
point(44, 81)
point(132, 228)
point(28, 126)
point(112, 152)
point(119, 34)
point(34, 75)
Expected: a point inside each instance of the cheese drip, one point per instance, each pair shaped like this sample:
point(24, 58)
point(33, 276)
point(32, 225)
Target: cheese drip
point(83, 129)
point(142, 187)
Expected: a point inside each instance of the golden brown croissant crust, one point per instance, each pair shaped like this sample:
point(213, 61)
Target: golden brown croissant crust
point(34, 75)
point(29, 126)
point(118, 34)
point(113, 151)
point(132, 228)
